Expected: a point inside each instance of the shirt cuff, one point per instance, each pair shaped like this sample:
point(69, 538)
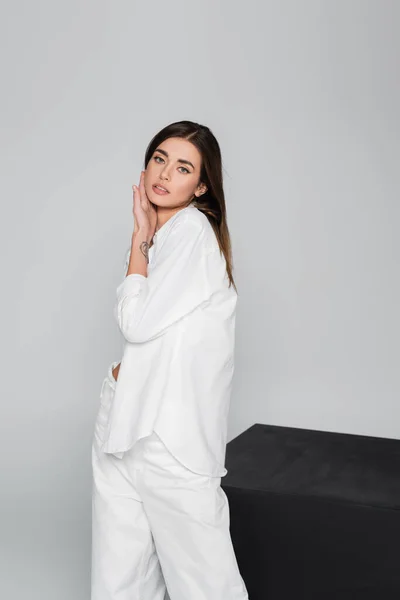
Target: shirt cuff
point(132, 284)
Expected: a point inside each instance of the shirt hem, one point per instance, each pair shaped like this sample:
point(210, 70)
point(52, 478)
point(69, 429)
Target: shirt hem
point(119, 453)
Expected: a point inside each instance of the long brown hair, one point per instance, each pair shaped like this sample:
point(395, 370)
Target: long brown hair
point(212, 202)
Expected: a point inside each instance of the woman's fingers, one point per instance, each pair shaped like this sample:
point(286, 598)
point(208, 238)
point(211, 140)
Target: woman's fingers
point(143, 196)
point(135, 198)
point(142, 207)
point(138, 215)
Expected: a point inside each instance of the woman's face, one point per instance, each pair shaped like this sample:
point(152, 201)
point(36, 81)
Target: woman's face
point(175, 166)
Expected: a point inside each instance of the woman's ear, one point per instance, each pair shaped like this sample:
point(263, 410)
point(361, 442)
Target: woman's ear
point(202, 190)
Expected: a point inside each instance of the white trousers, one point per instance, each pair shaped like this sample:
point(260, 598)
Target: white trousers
point(156, 525)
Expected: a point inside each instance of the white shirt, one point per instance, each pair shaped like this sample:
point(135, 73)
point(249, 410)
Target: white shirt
point(178, 360)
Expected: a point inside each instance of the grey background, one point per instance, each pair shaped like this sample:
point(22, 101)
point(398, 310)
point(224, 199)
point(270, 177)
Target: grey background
point(304, 99)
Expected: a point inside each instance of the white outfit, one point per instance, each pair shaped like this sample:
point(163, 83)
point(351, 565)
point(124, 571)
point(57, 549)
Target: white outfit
point(177, 366)
point(160, 515)
point(156, 525)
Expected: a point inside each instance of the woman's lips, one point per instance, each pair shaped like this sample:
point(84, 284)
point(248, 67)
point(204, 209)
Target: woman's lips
point(158, 191)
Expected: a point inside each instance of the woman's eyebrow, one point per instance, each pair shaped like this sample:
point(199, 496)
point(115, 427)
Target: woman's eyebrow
point(180, 160)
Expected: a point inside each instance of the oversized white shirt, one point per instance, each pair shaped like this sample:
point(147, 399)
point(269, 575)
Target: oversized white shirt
point(177, 366)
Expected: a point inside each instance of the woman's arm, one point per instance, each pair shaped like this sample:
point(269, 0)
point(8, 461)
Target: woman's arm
point(139, 257)
point(184, 277)
point(145, 220)
point(141, 240)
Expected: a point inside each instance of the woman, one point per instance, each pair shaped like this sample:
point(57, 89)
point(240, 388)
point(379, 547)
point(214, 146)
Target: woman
point(160, 515)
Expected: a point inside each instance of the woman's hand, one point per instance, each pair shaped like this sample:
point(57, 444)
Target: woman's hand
point(144, 211)
point(115, 372)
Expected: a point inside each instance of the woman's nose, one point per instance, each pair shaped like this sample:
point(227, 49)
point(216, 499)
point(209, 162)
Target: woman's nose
point(165, 174)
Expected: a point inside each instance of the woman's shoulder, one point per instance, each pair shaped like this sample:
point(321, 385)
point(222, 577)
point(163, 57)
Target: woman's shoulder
point(193, 221)
point(192, 215)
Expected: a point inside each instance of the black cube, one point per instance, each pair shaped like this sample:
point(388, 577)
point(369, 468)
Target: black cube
point(315, 514)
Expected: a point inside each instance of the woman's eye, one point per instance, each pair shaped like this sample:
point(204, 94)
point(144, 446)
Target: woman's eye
point(184, 168)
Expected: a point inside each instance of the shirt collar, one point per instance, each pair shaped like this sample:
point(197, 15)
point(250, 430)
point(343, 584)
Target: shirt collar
point(160, 233)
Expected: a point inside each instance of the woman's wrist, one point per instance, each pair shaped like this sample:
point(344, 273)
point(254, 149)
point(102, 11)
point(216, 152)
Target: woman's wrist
point(141, 236)
point(139, 257)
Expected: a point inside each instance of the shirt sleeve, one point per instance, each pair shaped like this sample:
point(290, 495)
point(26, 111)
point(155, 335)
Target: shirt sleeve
point(184, 278)
point(126, 261)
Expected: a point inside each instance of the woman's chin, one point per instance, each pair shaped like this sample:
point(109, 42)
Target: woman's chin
point(155, 198)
